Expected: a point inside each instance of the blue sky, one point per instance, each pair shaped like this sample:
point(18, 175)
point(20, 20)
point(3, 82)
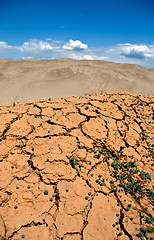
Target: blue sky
point(111, 30)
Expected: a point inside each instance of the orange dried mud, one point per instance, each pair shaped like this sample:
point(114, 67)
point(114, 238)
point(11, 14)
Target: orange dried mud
point(77, 168)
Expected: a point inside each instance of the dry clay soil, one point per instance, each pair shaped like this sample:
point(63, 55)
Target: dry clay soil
point(77, 168)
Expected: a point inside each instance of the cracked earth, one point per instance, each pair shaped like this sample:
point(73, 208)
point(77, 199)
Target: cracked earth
point(77, 168)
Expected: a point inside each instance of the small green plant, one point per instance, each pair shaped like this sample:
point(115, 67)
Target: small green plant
point(46, 192)
point(145, 175)
point(15, 207)
point(139, 234)
point(86, 107)
point(127, 209)
point(67, 190)
point(28, 186)
point(144, 230)
point(86, 197)
point(22, 236)
point(73, 162)
point(149, 220)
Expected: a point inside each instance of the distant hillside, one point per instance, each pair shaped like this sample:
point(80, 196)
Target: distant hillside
point(36, 79)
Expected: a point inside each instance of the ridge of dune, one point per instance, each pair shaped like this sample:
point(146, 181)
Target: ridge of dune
point(77, 168)
point(35, 79)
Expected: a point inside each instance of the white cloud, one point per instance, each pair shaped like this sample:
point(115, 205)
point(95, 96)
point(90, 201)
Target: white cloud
point(110, 50)
point(35, 45)
point(4, 45)
point(136, 51)
point(127, 44)
point(27, 57)
point(75, 45)
point(124, 44)
point(81, 57)
point(88, 57)
point(102, 58)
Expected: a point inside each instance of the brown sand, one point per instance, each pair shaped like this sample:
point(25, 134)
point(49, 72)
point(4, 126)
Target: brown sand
point(42, 79)
point(93, 152)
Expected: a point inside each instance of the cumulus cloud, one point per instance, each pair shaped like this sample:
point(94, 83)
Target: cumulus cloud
point(75, 45)
point(35, 45)
point(136, 51)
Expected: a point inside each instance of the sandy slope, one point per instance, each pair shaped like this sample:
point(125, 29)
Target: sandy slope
point(77, 168)
point(41, 79)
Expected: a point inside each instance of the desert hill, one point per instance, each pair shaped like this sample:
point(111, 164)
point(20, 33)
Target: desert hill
point(35, 79)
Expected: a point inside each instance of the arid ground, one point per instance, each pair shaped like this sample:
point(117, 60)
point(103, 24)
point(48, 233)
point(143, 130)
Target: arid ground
point(77, 167)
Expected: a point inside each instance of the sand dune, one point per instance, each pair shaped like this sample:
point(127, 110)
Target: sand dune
point(40, 79)
point(77, 168)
